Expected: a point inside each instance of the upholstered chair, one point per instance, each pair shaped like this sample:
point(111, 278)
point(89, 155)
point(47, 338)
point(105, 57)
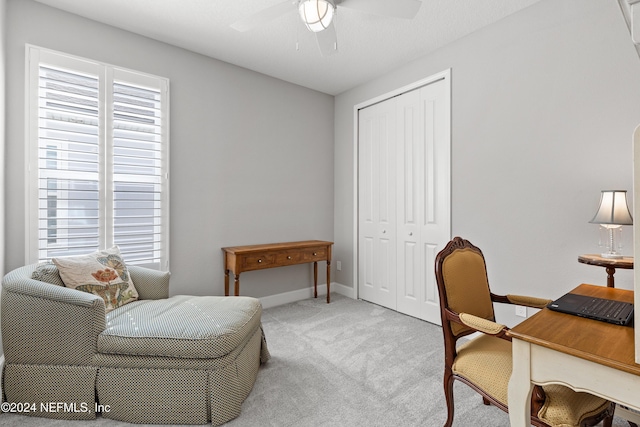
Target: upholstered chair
point(484, 362)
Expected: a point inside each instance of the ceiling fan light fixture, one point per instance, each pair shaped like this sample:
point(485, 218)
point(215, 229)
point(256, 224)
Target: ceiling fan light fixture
point(316, 14)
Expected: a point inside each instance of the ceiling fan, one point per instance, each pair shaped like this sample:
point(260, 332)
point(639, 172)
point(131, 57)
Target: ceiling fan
point(318, 15)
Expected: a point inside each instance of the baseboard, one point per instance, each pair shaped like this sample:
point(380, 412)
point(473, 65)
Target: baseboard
point(306, 293)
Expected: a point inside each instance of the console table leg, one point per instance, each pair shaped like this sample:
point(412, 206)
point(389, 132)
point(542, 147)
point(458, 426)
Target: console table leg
point(226, 283)
point(328, 281)
point(315, 279)
point(236, 284)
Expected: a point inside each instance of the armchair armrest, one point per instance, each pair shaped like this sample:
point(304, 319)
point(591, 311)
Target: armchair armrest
point(48, 324)
point(528, 301)
point(482, 325)
point(521, 300)
point(150, 284)
point(478, 324)
point(37, 289)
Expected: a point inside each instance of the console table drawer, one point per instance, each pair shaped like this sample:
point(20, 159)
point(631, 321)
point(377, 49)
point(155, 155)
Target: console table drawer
point(288, 258)
point(314, 254)
point(257, 261)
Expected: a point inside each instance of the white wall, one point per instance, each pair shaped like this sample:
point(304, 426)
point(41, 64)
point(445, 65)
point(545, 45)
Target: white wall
point(544, 104)
point(251, 156)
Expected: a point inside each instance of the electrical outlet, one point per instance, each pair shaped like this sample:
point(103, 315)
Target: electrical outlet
point(339, 265)
point(521, 311)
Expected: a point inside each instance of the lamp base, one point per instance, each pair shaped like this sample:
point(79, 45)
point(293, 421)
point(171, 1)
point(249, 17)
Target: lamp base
point(612, 256)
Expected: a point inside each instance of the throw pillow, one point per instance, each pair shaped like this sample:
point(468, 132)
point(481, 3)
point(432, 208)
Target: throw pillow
point(101, 273)
point(47, 272)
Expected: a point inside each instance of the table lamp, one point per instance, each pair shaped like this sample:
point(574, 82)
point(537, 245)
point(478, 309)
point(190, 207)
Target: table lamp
point(612, 214)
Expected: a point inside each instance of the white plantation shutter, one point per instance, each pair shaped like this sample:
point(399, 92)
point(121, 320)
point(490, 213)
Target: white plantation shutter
point(138, 171)
point(99, 143)
point(68, 162)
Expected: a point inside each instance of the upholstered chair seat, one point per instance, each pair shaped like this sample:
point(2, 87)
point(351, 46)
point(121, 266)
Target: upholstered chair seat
point(486, 362)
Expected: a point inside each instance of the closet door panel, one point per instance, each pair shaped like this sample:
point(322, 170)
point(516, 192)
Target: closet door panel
point(435, 222)
point(377, 198)
point(410, 149)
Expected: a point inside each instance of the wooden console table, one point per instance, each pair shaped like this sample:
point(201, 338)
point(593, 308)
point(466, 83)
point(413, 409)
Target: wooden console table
point(239, 259)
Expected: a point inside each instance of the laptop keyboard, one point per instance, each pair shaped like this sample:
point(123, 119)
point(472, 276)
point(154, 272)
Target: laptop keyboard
point(602, 308)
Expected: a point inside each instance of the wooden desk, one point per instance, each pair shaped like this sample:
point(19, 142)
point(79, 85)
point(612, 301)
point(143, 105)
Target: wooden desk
point(609, 263)
point(584, 354)
point(238, 259)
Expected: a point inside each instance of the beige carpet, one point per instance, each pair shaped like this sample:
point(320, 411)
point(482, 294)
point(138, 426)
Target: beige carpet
point(348, 363)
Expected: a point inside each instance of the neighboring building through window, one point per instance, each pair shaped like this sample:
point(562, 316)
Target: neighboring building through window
point(98, 160)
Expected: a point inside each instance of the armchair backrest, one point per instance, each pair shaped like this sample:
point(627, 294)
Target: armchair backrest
point(150, 284)
point(461, 276)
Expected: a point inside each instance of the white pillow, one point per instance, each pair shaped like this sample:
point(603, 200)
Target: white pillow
point(101, 273)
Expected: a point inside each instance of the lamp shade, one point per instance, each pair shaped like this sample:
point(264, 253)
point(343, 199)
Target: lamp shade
point(613, 209)
point(316, 14)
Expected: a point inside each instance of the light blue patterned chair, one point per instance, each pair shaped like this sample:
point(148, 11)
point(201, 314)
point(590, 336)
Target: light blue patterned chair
point(158, 360)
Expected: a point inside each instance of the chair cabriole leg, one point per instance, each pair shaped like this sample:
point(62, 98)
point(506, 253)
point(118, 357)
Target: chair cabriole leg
point(448, 395)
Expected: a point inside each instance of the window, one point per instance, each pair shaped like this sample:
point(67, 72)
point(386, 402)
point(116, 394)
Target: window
point(98, 160)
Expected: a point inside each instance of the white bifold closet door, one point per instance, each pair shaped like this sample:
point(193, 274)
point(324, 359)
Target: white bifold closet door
point(404, 198)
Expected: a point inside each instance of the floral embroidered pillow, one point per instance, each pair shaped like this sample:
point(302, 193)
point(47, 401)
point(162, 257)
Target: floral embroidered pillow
point(101, 273)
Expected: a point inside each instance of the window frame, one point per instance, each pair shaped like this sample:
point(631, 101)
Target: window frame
point(107, 75)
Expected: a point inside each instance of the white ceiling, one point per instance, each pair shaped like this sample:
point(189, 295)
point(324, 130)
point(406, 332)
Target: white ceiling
point(369, 45)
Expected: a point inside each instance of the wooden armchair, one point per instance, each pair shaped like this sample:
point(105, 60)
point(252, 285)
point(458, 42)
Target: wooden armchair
point(484, 363)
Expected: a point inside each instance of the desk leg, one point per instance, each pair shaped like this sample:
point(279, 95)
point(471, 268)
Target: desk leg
point(520, 385)
point(226, 283)
point(610, 272)
point(315, 279)
point(236, 285)
point(328, 281)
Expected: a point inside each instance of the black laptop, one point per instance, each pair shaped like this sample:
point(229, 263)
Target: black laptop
point(606, 310)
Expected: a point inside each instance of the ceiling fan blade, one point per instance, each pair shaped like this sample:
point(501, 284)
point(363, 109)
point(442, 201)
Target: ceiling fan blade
point(405, 9)
point(327, 40)
point(262, 17)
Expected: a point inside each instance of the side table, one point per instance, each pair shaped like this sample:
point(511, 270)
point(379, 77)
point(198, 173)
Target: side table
point(609, 263)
